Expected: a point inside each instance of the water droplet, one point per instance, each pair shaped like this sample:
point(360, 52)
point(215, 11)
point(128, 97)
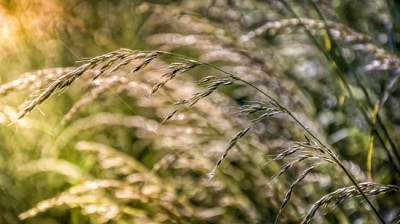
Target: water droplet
point(211, 175)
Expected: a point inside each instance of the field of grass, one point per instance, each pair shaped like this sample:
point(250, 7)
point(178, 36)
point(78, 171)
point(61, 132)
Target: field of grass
point(218, 111)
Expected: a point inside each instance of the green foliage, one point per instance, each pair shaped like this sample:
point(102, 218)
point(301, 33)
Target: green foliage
point(217, 111)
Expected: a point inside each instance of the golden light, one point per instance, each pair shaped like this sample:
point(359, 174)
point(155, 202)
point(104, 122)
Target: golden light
point(8, 30)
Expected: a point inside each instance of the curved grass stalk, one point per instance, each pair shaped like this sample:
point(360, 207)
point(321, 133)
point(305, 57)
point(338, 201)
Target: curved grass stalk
point(187, 64)
point(344, 193)
point(330, 151)
point(371, 121)
point(348, 89)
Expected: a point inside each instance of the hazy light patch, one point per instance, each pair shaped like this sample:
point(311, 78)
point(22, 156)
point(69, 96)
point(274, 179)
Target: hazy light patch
point(8, 32)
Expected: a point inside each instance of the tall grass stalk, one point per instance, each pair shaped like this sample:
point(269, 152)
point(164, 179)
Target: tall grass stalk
point(189, 63)
point(240, 112)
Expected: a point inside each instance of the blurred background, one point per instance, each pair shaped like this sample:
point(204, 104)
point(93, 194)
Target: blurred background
point(97, 152)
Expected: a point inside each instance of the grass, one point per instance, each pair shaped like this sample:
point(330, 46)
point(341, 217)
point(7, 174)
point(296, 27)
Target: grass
point(243, 112)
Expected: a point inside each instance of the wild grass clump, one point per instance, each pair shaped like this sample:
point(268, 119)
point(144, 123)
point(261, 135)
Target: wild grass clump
point(342, 194)
point(245, 112)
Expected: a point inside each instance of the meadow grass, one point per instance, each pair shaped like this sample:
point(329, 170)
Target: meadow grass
point(243, 112)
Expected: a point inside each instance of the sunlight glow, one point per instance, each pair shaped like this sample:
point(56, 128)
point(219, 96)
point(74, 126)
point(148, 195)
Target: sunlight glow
point(8, 32)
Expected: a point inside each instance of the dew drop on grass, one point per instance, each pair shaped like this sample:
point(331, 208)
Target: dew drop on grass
point(211, 175)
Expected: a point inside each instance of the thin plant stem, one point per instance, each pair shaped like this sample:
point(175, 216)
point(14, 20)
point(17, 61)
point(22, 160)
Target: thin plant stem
point(328, 149)
point(365, 92)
